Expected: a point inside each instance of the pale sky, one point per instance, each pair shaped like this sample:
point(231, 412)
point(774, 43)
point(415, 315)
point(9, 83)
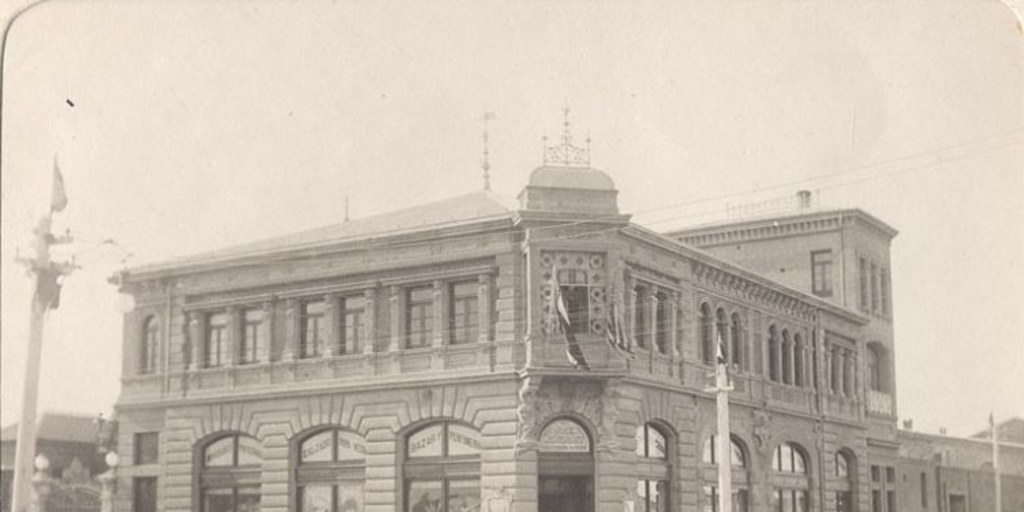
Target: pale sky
point(202, 124)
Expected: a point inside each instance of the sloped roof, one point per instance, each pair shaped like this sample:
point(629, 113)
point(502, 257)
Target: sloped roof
point(770, 218)
point(466, 209)
point(58, 427)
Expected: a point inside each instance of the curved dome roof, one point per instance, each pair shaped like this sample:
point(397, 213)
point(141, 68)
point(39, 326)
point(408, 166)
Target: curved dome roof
point(570, 177)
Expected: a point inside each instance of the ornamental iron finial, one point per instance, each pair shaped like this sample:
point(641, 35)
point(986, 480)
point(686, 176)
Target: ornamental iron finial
point(488, 117)
point(566, 153)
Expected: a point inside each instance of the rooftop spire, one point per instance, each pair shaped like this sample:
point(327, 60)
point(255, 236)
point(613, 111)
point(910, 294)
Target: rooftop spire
point(488, 116)
point(567, 154)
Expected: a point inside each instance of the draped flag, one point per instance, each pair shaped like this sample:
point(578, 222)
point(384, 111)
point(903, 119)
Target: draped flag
point(615, 335)
point(58, 199)
point(720, 354)
point(561, 312)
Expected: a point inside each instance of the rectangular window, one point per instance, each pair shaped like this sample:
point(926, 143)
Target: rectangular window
point(890, 501)
point(464, 315)
point(864, 294)
point(844, 502)
point(419, 317)
point(874, 288)
point(248, 350)
point(352, 327)
point(576, 294)
point(146, 448)
point(821, 273)
point(885, 292)
point(642, 326)
point(144, 494)
point(876, 474)
point(890, 474)
point(313, 328)
point(661, 321)
point(216, 340)
point(876, 501)
point(924, 490)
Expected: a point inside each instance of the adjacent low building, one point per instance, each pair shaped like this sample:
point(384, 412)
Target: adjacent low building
point(412, 361)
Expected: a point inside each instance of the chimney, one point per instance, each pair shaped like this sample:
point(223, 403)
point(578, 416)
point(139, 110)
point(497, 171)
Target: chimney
point(803, 198)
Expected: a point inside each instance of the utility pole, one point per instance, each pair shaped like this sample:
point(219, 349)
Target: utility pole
point(48, 276)
point(724, 437)
point(995, 463)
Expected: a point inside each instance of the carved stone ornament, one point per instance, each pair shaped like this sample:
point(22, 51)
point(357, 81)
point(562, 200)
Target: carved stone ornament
point(499, 501)
point(762, 431)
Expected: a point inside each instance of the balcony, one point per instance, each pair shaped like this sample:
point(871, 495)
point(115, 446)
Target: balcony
point(340, 370)
point(880, 402)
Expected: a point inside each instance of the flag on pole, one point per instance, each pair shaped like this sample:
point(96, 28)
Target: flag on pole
point(58, 199)
point(561, 312)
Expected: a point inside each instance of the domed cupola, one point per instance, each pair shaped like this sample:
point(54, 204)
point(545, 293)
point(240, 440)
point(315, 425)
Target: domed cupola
point(567, 183)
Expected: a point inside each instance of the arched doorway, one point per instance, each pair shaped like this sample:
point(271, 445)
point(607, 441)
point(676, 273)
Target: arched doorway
point(565, 480)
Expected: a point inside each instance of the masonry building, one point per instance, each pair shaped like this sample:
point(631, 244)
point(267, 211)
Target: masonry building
point(411, 361)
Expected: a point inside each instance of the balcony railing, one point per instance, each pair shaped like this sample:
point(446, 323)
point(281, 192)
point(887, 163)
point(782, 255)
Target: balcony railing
point(880, 402)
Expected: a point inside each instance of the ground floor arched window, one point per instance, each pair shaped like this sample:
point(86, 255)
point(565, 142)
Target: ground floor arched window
point(740, 478)
point(229, 475)
point(565, 479)
point(442, 468)
point(654, 469)
point(790, 478)
point(330, 471)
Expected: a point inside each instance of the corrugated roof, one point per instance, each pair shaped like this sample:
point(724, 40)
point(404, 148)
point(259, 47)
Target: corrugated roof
point(58, 427)
point(476, 207)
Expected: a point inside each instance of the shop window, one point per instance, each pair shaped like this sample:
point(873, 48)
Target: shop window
point(789, 458)
point(442, 468)
point(331, 471)
point(565, 467)
point(229, 479)
point(150, 345)
point(845, 485)
point(737, 456)
point(654, 468)
point(740, 499)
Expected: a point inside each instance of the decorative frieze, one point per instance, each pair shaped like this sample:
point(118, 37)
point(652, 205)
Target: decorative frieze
point(749, 290)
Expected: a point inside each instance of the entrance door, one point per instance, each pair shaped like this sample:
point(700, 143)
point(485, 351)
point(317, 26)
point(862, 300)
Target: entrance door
point(565, 494)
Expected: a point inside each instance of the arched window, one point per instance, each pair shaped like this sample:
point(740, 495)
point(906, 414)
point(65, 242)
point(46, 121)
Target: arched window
point(654, 469)
point(736, 348)
point(846, 471)
point(722, 331)
point(707, 343)
point(565, 466)
point(229, 477)
point(798, 360)
point(330, 471)
point(791, 481)
point(773, 354)
point(150, 345)
point(740, 477)
point(442, 468)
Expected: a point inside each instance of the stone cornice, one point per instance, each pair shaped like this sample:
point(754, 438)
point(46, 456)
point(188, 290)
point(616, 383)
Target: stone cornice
point(728, 277)
point(780, 226)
